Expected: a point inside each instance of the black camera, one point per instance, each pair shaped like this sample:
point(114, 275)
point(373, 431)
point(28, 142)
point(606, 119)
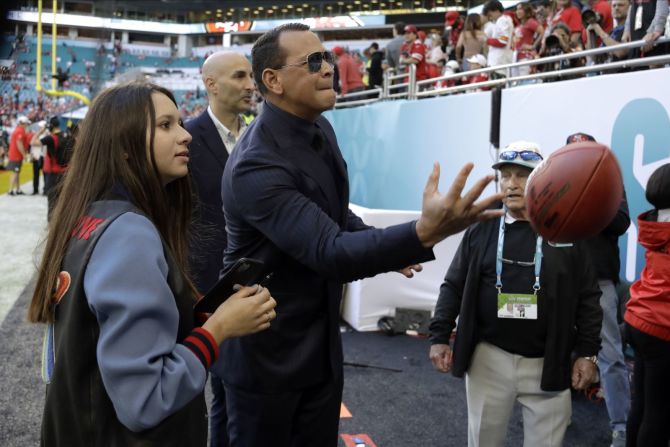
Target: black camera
point(553, 45)
point(589, 17)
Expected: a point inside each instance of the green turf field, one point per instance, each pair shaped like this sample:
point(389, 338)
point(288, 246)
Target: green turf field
point(26, 176)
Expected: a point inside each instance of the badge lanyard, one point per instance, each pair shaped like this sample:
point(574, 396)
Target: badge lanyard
point(537, 261)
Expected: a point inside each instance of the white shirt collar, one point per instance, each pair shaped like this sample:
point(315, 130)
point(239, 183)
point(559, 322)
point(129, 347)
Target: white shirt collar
point(227, 136)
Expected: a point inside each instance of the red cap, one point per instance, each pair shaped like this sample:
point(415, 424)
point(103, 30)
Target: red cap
point(410, 29)
point(451, 17)
point(579, 137)
point(339, 51)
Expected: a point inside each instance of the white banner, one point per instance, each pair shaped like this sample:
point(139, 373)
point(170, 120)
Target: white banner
point(628, 112)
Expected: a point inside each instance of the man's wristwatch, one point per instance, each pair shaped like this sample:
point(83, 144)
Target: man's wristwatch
point(593, 359)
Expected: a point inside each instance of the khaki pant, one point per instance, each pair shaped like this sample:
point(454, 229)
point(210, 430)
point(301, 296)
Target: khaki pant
point(494, 381)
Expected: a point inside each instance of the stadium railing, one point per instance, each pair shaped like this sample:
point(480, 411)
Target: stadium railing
point(410, 88)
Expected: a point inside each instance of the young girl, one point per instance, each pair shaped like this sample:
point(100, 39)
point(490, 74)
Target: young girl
point(124, 359)
point(471, 41)
point(648, 321)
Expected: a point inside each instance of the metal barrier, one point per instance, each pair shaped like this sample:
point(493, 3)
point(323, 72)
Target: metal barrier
point(410, 88)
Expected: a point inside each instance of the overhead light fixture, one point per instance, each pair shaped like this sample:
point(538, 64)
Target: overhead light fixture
point(218, 10)
point(208, 12)
point(299, 9)
point(246, 9)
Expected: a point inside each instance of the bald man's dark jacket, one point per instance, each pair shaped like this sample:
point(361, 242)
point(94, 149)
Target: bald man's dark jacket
point(208, 157)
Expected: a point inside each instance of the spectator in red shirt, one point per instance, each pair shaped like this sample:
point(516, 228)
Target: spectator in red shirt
point(603, 17)
point(527, 37)
point(570, 15)
point(18, 151)
point(52, 170)
point(476, 62)
point(603, 8)
point(414, 52)
point(350, 76)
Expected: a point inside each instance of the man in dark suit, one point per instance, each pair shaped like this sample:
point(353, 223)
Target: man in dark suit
point(286, 199)
point(228, 80)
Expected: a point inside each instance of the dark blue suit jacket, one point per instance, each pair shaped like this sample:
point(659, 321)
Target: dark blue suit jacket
point(207, 158)
point(289, 207)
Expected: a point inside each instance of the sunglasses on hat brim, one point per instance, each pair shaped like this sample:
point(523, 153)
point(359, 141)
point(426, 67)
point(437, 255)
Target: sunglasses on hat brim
point(524, 155)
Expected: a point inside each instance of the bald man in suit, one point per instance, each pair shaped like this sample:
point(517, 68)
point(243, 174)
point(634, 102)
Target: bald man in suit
point(228, 79)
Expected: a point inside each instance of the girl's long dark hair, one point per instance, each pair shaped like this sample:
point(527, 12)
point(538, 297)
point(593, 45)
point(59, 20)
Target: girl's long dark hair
point(111, 150)
point(473, 23)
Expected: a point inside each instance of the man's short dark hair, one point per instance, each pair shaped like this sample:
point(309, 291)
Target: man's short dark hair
point(399, 28)
point(658, 188)
point(266, 52)
point(493, 5)
point(374, 45)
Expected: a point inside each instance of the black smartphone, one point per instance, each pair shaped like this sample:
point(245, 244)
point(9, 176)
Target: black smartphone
point(245, 272)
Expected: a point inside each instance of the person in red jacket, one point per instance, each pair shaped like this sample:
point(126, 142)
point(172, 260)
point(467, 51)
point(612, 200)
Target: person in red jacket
point(52, 170)
point(413, 51)
point(18, 151)
point(350, 76)
point(648, 321)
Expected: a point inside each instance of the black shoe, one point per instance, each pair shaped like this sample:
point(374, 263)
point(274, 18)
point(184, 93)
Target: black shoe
point(19, 193)
point(11, 193)
point(35, 193)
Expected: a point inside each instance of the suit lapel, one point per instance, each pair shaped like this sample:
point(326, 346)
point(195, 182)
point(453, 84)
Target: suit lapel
point(314, 167)
point(211, 140)
point(341, 169)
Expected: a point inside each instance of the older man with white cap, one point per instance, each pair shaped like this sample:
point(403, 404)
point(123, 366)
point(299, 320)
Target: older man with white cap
point(528, 318)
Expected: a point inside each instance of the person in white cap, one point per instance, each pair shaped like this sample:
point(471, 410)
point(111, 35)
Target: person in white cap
point(524, 306)
point(476, 62)
point(18, 151)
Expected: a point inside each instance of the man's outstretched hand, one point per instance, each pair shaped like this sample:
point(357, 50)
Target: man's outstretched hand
point(445, 214)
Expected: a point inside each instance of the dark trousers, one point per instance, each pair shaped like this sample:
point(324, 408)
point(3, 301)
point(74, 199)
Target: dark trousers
point(301, 418)
point(218, 416)
point(51, 188)
point(37, 167)
point(649, 419)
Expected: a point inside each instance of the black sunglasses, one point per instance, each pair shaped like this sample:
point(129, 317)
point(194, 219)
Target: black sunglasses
point(525, 155)
point(314, 61)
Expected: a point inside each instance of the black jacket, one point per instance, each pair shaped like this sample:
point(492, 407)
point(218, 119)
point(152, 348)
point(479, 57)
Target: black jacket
point(208, 157)
point(604, 248)
point(78, 412)
point(569, 288)
point(288, 206)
